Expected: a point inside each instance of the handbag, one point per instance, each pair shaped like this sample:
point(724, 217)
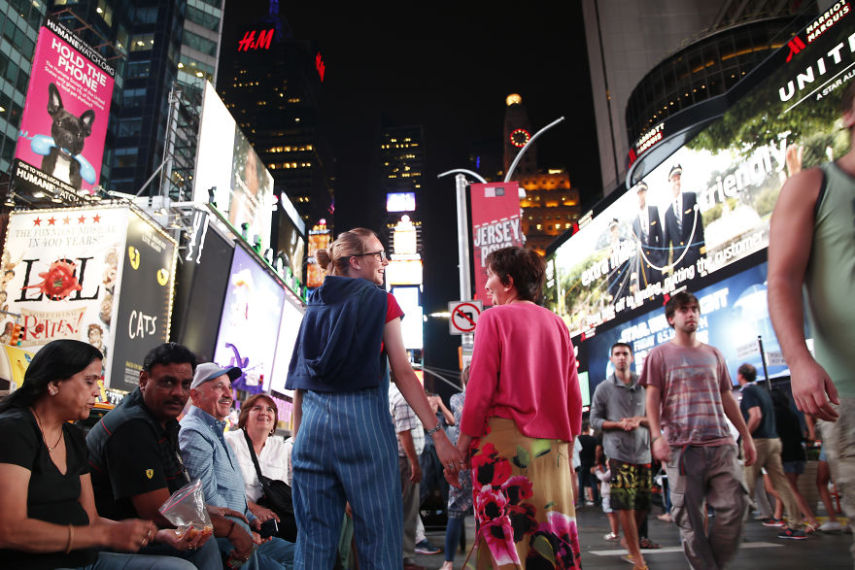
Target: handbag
point(276, 496)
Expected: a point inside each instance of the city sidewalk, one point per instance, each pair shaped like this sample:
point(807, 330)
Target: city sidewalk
point(761, 548)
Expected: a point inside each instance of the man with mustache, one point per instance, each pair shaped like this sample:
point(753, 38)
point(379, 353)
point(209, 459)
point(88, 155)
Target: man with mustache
point(133, 452)
point(209, 458)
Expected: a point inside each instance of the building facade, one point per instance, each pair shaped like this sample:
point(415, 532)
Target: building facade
point(19, 21)
point(272, 85)
point(651, 60)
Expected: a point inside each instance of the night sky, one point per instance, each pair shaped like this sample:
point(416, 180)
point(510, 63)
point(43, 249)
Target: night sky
point(450, 71)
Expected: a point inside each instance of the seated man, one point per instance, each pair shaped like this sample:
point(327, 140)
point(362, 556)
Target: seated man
point(209, 458)
point(133, 452)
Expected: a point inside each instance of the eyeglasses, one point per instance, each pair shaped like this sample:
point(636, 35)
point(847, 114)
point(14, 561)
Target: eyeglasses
point(381, 253)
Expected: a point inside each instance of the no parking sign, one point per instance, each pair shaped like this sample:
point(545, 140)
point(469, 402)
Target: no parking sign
point(464, 316)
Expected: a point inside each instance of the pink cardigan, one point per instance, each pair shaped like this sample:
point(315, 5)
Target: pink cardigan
point(524, 369)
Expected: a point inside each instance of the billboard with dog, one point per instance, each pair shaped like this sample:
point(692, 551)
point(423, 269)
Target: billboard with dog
point(61, 140)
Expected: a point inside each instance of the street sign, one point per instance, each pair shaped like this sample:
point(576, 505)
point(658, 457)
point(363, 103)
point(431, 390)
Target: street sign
point(464, 316)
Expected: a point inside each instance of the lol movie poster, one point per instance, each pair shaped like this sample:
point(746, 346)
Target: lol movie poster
point(61, 141)
point(61, 271)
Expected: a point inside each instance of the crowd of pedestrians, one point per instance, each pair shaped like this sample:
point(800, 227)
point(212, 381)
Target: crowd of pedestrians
point(364, 437)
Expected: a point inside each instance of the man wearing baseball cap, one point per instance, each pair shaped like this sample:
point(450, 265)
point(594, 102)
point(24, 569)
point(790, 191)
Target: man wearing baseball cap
point(210, 459)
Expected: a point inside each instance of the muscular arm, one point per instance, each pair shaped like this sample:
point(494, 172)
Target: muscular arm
point(147, 506)
point(789, 253)
point(731, 410)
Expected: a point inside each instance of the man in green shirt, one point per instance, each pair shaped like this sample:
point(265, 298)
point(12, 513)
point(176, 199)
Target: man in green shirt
point(812, 243)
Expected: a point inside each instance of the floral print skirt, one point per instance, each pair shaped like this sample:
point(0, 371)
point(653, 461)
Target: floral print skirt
point(523, 500)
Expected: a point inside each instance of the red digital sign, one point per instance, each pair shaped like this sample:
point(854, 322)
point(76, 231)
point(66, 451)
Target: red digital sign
point(319, 65)
point(253, 40)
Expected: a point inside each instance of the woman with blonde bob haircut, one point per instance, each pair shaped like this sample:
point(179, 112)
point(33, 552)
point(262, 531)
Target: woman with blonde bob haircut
point(345, 448)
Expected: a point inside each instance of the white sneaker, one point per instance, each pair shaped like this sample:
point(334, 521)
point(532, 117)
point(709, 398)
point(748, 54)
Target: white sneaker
point(831, 526)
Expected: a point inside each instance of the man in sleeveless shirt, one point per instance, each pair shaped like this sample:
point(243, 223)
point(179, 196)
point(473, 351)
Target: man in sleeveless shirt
point(812, 243)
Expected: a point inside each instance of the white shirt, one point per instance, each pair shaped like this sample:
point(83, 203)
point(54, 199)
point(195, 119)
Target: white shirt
point(273, 461)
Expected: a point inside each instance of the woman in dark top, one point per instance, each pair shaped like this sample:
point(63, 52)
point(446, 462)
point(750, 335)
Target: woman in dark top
point(47, 507)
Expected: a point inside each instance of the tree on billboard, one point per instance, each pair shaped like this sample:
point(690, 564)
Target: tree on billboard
point(759, 119)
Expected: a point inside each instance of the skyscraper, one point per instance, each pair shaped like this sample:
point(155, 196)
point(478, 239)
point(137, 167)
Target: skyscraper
point(402, 163)
point(271, 83)
point(19, 22)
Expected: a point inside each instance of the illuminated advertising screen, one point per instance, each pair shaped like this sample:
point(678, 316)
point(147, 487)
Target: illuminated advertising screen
point(226, 162)
point(708, 205)
point(289, 326)
point(412, 325)
point(291, 244)
point(62, 272)
point(734, 314)
point(61, 141)
point(145, 304)
point(405, 237)
point(203, 273)
point(319, 238)
point(400, 201)
point(404, 272)
point(250, 321)
point(585, 388)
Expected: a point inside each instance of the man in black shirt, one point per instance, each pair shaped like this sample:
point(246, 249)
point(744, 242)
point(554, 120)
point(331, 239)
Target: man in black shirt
point(759, 413)
point(587, 460)
point(136, 466)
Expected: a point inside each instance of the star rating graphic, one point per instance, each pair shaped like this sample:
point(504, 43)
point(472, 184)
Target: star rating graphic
point(37, 221)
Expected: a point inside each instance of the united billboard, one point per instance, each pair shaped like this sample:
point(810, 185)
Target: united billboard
point(707, 206)
point(61, 141)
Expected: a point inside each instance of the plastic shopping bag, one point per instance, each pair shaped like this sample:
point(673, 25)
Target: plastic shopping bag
point(186, 510)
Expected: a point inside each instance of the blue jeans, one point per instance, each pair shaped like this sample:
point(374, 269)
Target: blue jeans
point(345, 451)
point(205, 558)
point(275, 554)
point(117, 561)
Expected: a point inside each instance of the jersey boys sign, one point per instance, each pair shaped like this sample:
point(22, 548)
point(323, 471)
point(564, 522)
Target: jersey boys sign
point(495, 224)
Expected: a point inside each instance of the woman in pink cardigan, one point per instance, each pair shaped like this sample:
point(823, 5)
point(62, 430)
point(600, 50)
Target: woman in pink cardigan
point(523, 408)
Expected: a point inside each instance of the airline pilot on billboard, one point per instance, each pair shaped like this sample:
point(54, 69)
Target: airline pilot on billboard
point(647, 228)
point(684, 227)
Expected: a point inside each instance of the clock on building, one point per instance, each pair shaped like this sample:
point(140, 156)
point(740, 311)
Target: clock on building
point(520, 137)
